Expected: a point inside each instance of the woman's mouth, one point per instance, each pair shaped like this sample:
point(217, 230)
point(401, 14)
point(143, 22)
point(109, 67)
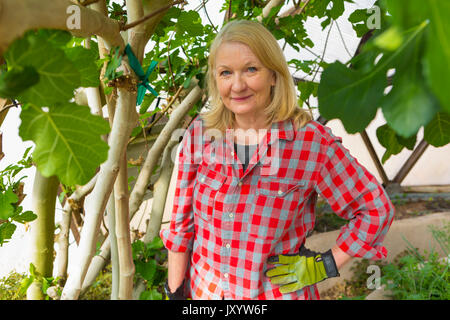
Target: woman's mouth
point(239, 99)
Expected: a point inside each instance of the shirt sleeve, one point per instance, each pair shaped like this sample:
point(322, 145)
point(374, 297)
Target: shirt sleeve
point(354, 194)
point(180, 234)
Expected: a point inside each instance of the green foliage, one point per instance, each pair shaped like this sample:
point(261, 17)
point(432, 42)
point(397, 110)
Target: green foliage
point(393, 143)
point(67, 136)
point(11, 194)
point(64, 146)
point(421, 276)
point(149, 262)
point(16, 80)
point(45, 282)
point(101, 288)
point(411, 42)
point(357, 285)
point(10, 286)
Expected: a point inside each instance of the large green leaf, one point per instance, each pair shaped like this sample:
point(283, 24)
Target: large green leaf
point(437, 132)
point(353, 95)
point(59, 77)
point(85, 59)
point(437, 56)
point(17, 80)
point(393, 143)
point(349, 95)
point(68, 141)
point(409, 105)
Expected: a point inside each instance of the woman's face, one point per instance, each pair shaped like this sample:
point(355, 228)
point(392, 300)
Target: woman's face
point(244, 83)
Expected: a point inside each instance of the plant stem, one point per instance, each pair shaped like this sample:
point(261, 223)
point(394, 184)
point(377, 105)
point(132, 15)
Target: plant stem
point(150, 15)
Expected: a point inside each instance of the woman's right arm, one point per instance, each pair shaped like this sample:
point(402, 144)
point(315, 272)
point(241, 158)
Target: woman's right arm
point(178, 238)
point(178, 262)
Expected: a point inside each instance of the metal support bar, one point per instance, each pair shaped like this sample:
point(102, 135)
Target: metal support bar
point(374, 157)
point(407, 166)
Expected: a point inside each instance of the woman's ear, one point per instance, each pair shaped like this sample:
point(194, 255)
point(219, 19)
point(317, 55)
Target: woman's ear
point(274, 79)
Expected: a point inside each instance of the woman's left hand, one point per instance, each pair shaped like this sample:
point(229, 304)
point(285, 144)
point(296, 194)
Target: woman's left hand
point(303, 269)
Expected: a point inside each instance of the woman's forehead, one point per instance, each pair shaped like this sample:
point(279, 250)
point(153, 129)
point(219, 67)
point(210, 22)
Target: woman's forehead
point(231, 53)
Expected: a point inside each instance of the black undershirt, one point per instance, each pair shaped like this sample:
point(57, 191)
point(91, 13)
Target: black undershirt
point(244, 153)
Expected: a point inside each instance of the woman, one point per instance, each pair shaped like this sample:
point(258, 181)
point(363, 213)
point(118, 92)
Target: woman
point(245, 200)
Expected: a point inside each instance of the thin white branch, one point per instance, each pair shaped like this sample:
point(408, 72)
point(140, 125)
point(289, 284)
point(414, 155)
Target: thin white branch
point(157, 148)
point(62, 252)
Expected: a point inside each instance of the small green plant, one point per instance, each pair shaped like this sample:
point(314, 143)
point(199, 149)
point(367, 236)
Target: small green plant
point(46, 282)
point(10, 286)
point(11, 195)
point(149, 260)
point(421, 276)
point(101, 288)
point(356, 287)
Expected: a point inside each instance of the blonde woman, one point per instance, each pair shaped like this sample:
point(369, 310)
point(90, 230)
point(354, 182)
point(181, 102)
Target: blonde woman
point(250, 171)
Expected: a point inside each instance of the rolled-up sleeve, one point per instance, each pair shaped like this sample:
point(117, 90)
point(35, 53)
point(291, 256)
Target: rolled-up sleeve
point(180, 234)
point(354, 194)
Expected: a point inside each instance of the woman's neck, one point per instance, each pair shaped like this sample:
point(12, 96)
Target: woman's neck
point(249, 132)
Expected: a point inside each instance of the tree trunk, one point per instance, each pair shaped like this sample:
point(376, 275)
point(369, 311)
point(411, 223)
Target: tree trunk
point(95, 204)
point(43, 231)
point(138, 191)
point(126, 265)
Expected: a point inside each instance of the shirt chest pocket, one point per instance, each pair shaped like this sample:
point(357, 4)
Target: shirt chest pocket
point(275, 206)
point(207, 184)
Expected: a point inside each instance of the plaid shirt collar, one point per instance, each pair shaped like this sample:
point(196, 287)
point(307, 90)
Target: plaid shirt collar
point(285, 130)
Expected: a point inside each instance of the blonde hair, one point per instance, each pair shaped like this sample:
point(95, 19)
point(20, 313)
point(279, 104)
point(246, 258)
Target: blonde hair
point(264, 45)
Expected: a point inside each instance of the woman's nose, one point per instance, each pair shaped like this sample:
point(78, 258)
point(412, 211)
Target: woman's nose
point(238, 84)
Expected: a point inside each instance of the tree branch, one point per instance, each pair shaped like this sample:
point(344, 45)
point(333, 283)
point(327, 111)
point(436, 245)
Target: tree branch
point(17, 17)
point(87, 2)
point(150, 15)
point(153, 155)
point(62, 252)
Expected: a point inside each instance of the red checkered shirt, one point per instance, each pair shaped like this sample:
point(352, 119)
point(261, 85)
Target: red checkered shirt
point(232, 221)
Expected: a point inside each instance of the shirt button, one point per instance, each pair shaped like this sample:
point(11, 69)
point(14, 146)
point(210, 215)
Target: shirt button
point(240, 183)
point(226, 275)
point(202, 179)
point(280, 192)
point(232, 153)
point(230, 215)
point(228, 246)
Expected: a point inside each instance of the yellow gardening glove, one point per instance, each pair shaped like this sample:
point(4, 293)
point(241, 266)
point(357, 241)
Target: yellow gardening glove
point(303, 269)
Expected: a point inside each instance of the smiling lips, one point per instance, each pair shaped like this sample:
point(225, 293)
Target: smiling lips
point(241, 98)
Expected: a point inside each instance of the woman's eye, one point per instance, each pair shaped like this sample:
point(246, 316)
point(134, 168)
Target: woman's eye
point(225, 73)
point(251, 69)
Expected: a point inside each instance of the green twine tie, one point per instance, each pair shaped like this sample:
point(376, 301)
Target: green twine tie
point(143, 84)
